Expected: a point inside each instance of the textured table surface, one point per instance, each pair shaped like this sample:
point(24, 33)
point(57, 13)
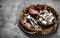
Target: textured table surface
point(9, 13)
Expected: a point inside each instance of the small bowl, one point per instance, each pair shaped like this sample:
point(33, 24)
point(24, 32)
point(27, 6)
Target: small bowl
point(27, 27)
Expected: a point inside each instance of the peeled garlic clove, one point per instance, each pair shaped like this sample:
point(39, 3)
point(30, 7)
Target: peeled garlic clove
point(45, 11)
point(40, 19)
point(44, 16)
point(28, 16)
point(44, 22)
point(51, 19)
point(50, 14)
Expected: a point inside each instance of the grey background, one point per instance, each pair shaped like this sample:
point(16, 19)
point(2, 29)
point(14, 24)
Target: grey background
point(9, 13)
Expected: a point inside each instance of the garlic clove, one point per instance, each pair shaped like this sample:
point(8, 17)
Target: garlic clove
point(40, 19)
point(28, 16)
point(44, 22)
